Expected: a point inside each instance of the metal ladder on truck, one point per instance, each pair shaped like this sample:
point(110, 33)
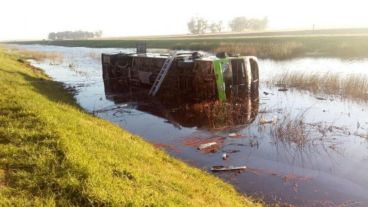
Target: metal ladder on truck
point(162, 74)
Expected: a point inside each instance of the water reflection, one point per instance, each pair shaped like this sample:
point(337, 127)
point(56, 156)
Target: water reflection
point(180, 112)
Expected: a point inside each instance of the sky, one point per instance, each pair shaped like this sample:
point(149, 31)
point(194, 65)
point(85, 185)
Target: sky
point(34, 19)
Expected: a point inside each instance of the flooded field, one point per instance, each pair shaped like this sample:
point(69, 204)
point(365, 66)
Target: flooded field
point(299, 147)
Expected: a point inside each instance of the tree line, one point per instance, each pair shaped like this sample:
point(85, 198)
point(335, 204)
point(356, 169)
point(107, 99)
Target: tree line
point(74, 35)
point(199, 25)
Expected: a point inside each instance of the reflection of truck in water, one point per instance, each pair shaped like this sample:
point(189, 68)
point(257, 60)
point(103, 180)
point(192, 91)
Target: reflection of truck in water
point(206, 114)
point(189, 89)
point(189, 76)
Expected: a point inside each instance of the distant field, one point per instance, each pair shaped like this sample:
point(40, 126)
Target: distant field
point(346, 43)
point(267, 33)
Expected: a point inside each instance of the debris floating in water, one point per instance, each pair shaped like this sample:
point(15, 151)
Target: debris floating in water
point(267, 93)
point(236, 135)
point(227, 168)
point(225, 156)
point(265, 121)
point(230, 151)
point(283, 89)
point(321, 98)
point(207, 145)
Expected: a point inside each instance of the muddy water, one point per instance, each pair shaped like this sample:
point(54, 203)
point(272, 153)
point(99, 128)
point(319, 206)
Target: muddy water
point(329, 168)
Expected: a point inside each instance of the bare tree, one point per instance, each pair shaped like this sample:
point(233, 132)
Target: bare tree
point(52, 36)
point(197, 25)
point(216, 27)
point(74, 35)
point(240, 24)
point(258, 24)
point(98, 34)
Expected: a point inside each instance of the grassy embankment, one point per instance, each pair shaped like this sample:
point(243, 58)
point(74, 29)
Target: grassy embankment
point(52, 153)
point(277, 45)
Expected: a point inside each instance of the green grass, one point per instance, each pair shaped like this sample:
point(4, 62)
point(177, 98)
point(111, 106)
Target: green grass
point(276, 45)
point(52, 153)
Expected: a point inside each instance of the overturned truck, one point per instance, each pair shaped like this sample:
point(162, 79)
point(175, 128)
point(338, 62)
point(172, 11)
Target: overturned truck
point(188, 76)
point(219, 88)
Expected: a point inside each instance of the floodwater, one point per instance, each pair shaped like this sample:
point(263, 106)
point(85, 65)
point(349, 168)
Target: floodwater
point(329, 168)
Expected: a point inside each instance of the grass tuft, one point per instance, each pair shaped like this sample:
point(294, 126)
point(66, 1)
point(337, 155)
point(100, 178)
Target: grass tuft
point(291, 130)
point(275, 50)
point(24, 54)
point(354, 86)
